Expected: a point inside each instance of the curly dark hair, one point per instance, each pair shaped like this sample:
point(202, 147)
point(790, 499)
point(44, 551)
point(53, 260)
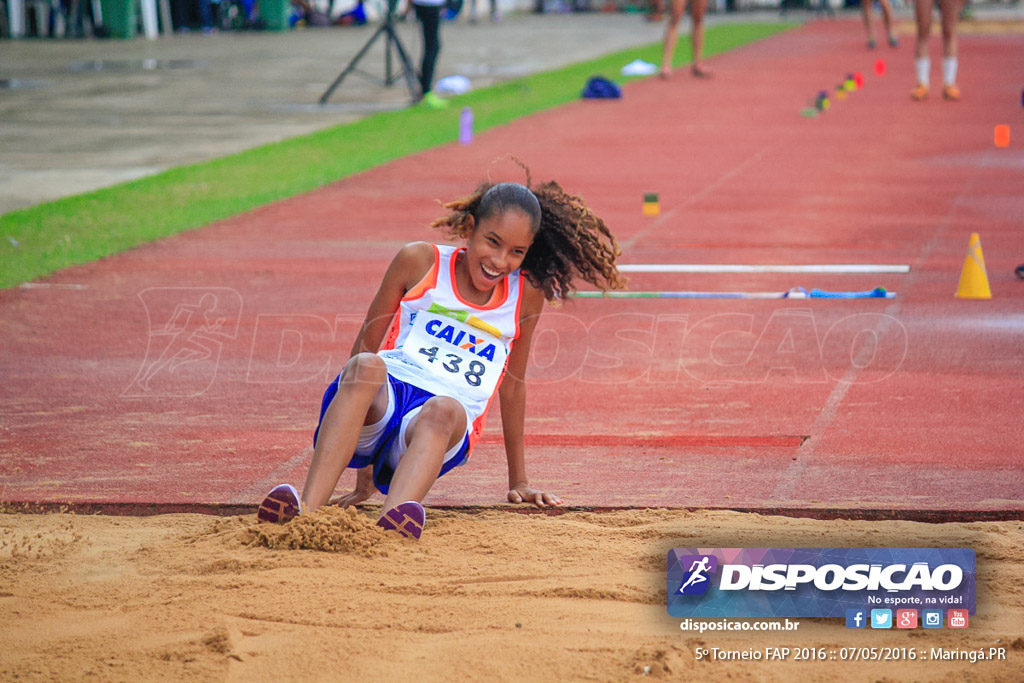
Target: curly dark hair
point(570, 242)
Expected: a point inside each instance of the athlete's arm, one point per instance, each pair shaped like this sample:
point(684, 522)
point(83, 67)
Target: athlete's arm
point(512, 394)
point(410, 264)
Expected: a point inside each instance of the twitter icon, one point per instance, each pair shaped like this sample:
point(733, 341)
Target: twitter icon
point(881, 618)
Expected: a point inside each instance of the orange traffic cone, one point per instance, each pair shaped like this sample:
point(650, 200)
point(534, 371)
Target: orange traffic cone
point(973, 279)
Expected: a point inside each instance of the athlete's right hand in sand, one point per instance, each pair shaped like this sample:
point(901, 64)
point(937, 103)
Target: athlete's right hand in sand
point(364, 488)
point(526, 494)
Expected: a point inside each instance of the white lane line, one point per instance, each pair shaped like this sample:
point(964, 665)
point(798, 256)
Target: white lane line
point(737, 268)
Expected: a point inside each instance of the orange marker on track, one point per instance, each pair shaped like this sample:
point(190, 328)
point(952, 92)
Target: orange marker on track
point(1002, 136)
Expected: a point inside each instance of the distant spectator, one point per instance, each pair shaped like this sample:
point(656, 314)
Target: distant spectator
point(697, 11)
point(865, 10)
point(950, 10)
point(429, 14)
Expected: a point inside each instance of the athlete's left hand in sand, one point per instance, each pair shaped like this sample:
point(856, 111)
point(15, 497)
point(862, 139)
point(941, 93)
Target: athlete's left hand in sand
point(527, 494)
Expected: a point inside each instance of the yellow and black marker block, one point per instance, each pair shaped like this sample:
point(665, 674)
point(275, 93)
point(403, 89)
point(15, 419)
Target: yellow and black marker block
point(651, 205)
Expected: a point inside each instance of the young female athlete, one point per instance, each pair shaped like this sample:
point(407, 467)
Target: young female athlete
point(453, 327)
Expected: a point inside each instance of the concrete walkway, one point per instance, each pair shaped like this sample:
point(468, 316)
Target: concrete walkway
point(79, 115)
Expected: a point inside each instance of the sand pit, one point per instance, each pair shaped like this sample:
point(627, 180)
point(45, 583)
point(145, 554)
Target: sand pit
point(485, 596)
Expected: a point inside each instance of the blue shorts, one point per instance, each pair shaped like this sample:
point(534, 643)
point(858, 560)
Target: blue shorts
point(382, 444)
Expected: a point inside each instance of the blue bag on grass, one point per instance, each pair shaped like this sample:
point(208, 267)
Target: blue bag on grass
point(600, 88)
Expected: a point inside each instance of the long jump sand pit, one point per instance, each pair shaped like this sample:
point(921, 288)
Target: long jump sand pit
point(488, 595)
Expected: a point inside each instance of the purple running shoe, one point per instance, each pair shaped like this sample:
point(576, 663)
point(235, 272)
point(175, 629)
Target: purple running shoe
point(281, 505)
point(406, 518)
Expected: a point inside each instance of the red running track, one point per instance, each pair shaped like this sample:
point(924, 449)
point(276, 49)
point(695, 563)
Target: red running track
point(122, 384)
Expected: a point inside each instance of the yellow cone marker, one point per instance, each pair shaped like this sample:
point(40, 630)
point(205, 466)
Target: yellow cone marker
point(973, 278)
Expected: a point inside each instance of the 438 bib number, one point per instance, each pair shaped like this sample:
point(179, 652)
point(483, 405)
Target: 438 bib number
point(472, 372)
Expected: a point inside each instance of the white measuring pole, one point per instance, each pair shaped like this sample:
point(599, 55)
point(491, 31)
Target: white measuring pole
point(735, 268)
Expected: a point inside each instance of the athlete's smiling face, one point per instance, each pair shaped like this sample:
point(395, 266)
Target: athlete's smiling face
point(497, 247)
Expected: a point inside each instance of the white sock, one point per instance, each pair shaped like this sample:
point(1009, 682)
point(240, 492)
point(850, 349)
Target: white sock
point(924, 70)
point(949, 65)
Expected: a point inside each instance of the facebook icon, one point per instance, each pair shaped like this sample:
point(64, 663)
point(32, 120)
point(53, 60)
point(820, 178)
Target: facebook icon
point(856, 618)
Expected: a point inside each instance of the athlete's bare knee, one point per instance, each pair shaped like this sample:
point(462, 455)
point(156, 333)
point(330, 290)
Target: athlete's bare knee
point(441, 417)
point(364, 370)
point(441, 413)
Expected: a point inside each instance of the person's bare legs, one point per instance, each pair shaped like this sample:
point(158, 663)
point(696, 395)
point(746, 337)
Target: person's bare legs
point(950, 63)
point(440, 424)
point(950, 13)
point(922, 63)
point(887, 19)
point(362, 398)
point(698, 8)
point(865, 13)
point(923, 18)
point(671, 36)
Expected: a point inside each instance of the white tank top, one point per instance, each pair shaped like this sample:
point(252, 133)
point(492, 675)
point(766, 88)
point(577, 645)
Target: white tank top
point(448, 346)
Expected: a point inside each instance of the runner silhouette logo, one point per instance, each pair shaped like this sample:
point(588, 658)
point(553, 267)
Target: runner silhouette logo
point(699, 569)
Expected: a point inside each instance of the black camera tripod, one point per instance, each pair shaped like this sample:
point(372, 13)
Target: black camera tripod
point(387, 29)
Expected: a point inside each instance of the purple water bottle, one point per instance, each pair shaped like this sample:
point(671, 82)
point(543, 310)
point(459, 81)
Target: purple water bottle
point(466, 126)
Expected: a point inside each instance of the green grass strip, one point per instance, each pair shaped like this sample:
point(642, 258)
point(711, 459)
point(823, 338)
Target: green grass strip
point(42, 239)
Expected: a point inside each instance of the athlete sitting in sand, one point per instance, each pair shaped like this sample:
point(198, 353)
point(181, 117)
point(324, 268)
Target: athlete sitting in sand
point(446, 329)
